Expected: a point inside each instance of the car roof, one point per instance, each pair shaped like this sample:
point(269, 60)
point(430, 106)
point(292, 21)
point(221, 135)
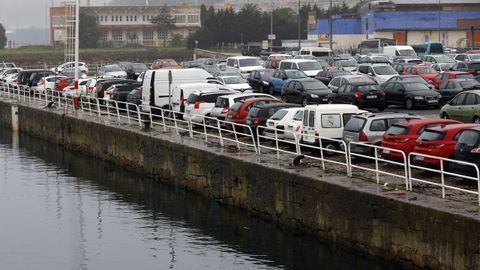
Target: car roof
point(299, 60)
point(386, 115)
point(212, 91)
point(453, 127)
point(274, 105)
point(251, 100)
point(306, 80)
point(426, 121)
point(455, 72)
point(248, 94)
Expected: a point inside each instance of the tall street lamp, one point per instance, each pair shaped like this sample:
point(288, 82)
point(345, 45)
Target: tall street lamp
point(298, 25)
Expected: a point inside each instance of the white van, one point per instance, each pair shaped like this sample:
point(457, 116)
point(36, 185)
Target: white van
point(155, 86)
point(395, 51)
point(181, 92)
point(326, 120)
point(309, 67)
point(243, 64)
point(316, 51)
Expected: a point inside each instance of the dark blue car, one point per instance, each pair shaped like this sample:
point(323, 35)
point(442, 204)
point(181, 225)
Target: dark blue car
point(281, 77)
point(468, 150)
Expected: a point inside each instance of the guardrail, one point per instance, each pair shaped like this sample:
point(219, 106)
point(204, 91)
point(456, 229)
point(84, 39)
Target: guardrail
point(213, 130)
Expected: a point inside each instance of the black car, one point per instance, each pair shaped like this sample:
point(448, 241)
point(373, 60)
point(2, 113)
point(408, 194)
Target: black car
point(361, 95)
point(119, 92)
point(102, 86)
point(409, 78)
point(472, 67)
point(259, 114)
point(450, 88)
point(327, 75)
point(410, 94)
point(133, 70)
point(259, 79)
point(134, 97)
point(467, 149)
point(27, 77)
point(305, 91)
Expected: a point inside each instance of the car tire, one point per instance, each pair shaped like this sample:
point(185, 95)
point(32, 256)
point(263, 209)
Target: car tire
point(476, 120)
point(305, 101)
point(271, 90)
point(409, 104)
point(445, 115)
point(284, 99)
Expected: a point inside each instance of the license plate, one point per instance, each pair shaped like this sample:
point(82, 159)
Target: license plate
point(419, 158)
point(371, 96)
point(386, 151)
point(229, 116)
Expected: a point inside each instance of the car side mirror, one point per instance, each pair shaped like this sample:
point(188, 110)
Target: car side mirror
point(369, 73)
point(235, 66)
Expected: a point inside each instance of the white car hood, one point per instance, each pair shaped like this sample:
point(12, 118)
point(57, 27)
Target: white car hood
point(250, 68)
point(239, 86)
point(312, 73)
point(115, 74)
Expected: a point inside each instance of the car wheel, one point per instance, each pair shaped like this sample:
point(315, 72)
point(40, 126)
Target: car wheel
point(408, 104)
point(284, 99)
point(476, 120)
point(445, 116)
point(305, 101)
point(271, 90)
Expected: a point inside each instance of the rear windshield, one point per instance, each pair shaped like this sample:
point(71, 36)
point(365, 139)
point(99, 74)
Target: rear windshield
point(470, 84)
point(431, 135)
point(469, 138)
point(415, 86)
point(237, 106)
point(426, 70)
point(253, 111)
point(474, 66)
point(465, 76)
point(279, 115)
point(355, 124)
point(210, 98)
point(397, 130)
point(192, 98)
point(221, 102)
point(368, 87)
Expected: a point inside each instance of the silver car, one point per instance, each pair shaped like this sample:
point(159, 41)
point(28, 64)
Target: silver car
point(370, 127)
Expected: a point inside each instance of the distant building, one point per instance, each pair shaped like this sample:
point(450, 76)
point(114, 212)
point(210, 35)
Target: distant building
point(124, 25)
point(407, 21)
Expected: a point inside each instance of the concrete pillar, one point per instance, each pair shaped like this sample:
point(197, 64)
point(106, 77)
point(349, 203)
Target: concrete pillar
point(15, 118)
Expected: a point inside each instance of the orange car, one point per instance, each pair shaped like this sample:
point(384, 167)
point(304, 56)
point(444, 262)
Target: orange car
point(165, 63)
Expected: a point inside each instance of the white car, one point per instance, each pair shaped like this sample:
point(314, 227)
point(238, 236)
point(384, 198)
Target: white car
point(224, 103)
point(47, 83)
point(235, 82)
point(201, 103)
point(111, 71)
point(83, 84)
point(8, 71)
point(309, 67)
point(70, 66)
point(11, 80)
point(289, 120)
point(379, 72)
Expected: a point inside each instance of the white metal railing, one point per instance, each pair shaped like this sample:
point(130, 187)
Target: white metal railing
point(442, 170)
point(276, 136)
point(377, 159)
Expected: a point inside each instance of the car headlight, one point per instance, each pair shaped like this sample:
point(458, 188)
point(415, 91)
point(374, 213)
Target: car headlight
point(418, 97)
point(314, 96)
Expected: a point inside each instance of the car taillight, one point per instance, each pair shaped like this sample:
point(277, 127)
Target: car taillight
point(437, 146)
point(358, 95)
point(382, 93)
point(475, 151)
point(402, 140)
point(109, 92)
point(197, 105)
point(226, 109)
point(363, 137)
point(42, 82)
point(90, 88)
point(257, 121)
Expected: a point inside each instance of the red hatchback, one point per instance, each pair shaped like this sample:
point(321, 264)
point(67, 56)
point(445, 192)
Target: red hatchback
point(426, 72)
point(444, 76)
point(61, 83)
point(239, 111)
point(438, 142)
point(402, 135)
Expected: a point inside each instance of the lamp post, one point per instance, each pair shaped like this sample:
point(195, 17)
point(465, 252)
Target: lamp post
point(438, 19)
point(298, 25)
point(271, 27)
point(330, 24)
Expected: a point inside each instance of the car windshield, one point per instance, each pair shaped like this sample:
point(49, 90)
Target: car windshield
point(222, 102)
point(310, 86)
point(384, 70)
point(309, 66)
point(339, 73)
point(168, 63)
point(470, 84)
point(407, 52)
point(361, 80)
point(465, 76)
point(474, 66)
point(444, 59)
point(249, 62)
point(414, 79)
point(469, 138)
point(363, 88)
point(139, 67)
point(233, 80)
point(113, 68)
point(253, 111)
point(279, 115)
point(475, 56)
point(237, 106)
point(415, 86)
point(320, 54)
point(355, 124)
point(431, 135)
point(296, 74)
point(426, 70)
point(397, 130)
point(348, 63)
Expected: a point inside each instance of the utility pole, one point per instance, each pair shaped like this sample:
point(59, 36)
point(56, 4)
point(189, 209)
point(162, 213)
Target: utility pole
point(271, 26)
point(298, 21)
point(330, 23)
point(438, 18)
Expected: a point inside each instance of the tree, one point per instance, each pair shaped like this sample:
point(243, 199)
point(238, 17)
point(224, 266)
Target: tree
point(89, 33)
point(165, 22)
point(3, 37)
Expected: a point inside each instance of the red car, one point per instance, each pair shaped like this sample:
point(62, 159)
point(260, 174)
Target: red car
point(165, 63)
point(438, 142)
point(61, 83)
point(426, 72)
point(274, 62)
point(402, 135)
point(442, 77)
point(239, 111)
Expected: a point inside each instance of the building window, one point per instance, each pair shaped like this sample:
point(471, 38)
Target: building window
point(179, 18)
point(105, 35)
point(147, 34)
point(143, 17)
point(120, 17)
point(58, 20)
point(193, 18)
point(135, 18)
point(131, 18)
point(161, 34)
point(117, 35)
point(113, 18)
point(126, 18)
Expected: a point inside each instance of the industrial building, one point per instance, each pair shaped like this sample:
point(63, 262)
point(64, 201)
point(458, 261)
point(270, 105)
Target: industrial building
point(452, 22)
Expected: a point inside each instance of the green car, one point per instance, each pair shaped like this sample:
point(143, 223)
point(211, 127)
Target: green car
point(464, 107)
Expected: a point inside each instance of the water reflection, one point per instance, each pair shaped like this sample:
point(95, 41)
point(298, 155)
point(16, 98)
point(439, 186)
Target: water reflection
point(99, 216)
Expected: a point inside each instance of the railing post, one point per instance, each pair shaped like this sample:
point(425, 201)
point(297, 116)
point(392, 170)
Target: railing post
point(349, 151)
point(320, 143)
point(98, 107)
point(258, 143)
point(175, 121)
point(190, 127)
point(442, 178)
point(377, 176)
point(236, 138)
point(220, 133)
point(118, 113)
point(405, 165)
point(205, 129)
point(276, 142)
point(108, 108)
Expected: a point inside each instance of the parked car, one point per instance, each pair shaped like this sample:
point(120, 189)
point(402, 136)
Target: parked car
point(224, 103)
point(69, 66)
point(235, 82)
point(438, 142)
point(442, 77)
point(63, 82)
point(410, 95)
point(309, 67)
point(27, 77)
point(239, 111)
point(472, 67)
point(379, 72)
point(165, 63)
point(370, 128)
point(280, 77)
point(259, 114)
point(103, 85)
point(71, 91)
point(409, 78)
point(464, 107)
point(438, 59)
point(345, 64)
point(467, 149)
point(8, 71)
point(243, 64)
point(400, 67)
point(119, 92)
point(403, 135)
point(466, 57)
point(442, 67)
point(200, 104)
point(425, 72)
point(274, 62)
point(212, 69)
point(259, 79)
point(111, 71)
point(305, 91)
point(337, 82)
point(361, 95)
point(450, 88)
point(47, 83)
point(326, 76)
point(133, 70)
point(403, 60)
point(287, 122)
